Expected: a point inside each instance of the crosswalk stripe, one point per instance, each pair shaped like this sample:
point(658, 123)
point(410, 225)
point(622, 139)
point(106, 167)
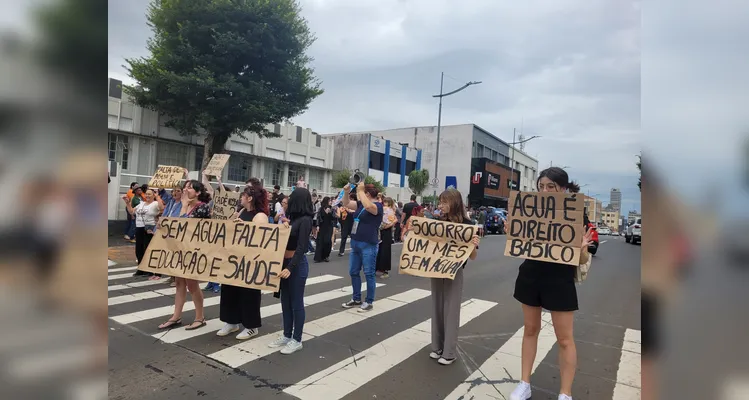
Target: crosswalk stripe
point(111, 263)
point(127, 298)
point(246, 352)
point(119, 276)
point(110, 270)
point(137, 284)
point(628, 375)
point(501, 372)
point(189, 306)
point(346, 376)
point(213, 325)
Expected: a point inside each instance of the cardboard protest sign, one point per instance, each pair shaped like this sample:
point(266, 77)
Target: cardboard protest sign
point(243, 254)
point(225, 204)
point(436, 249)
point(545, 226)
point(167, 177)
point(216, 165)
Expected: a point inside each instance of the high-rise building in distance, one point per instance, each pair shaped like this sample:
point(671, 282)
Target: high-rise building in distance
point(616, 199)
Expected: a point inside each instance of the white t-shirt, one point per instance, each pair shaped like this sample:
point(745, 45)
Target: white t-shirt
point(145, 214)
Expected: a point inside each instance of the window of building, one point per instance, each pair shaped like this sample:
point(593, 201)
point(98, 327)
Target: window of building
point(318, 140)
point(119, 149)
point(115, 88)
point(395, 165)
point(277, 130)
point(171, 154)
point(316, 179)
point(299, 134)
point(239, 168)
point(273, 171)
point(410, 166)
point(376, 161)
point(295, 172)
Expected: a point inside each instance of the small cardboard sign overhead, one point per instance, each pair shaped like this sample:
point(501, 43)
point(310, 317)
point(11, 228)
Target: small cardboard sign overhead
point(545, 226)
point(167, 177)
point(225, 204)
point(243, 254)
point(216, 165)
point(436, 249)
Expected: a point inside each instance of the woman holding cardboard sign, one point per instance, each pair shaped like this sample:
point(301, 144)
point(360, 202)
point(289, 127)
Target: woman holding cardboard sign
point(447, 293)
point(295, 272)
point(551, 286)
point(239, 305)
point(195, 201)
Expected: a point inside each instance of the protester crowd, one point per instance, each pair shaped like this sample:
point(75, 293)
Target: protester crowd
point(369, 223)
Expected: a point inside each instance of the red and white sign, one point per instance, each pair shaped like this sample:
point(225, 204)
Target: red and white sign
point(477, 178)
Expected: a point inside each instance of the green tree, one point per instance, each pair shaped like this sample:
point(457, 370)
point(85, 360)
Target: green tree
point(418, 181)
point(225, 67)
point(639, 168)
point(340, 179)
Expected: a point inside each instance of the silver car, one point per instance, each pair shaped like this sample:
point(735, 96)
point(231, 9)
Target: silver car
point(634, 232)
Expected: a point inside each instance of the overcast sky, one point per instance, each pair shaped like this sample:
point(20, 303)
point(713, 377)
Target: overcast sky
point(567, 70)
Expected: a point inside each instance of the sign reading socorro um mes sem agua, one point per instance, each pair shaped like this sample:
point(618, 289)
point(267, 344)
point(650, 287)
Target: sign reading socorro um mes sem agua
point(436, 249)
point(243, 254)
point(545, 226)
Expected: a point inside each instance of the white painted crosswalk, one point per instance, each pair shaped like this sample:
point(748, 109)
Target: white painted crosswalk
point(141, 304)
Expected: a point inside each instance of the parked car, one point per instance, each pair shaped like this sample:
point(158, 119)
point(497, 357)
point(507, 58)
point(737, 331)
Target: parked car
point(614, 233)
point(495, 220)
point(634, 232)
point(604, 231)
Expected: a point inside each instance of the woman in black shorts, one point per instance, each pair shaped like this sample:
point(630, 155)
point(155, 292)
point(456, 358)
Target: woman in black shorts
point(551, 286)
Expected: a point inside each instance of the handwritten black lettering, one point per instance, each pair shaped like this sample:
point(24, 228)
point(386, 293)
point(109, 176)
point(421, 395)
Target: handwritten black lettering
point(569, 207)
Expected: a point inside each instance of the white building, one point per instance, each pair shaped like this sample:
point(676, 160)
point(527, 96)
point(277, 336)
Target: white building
point(139, 142)
point(615, 199)
point(459, 144)
point(386, 161)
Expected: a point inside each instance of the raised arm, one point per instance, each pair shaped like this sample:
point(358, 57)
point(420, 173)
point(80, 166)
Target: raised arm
point(368, 204)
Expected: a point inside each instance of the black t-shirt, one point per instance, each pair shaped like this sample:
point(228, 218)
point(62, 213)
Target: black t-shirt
point(408, 209)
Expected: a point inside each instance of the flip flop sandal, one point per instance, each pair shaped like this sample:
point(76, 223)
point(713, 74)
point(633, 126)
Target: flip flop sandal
point(192, 328)
point(169, 324)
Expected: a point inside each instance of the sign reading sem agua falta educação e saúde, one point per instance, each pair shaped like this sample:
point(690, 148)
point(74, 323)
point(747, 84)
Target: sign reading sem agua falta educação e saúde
point(436, 249)
point(545, 226)
point(244, 254)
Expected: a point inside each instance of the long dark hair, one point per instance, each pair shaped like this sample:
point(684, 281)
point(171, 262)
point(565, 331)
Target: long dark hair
point(454, 199)
point(560, 177)
point(198, 186)
point(259, 198)
point(300, 204)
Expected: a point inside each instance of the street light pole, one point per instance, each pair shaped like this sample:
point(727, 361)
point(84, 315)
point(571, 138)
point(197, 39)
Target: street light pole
point(439, 122)
point(512, 159)
point(439, 126)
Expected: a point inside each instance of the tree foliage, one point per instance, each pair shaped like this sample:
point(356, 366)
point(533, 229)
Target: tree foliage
point(418, 181)
point(225, 67)
point(639, 168)
point(340, 179)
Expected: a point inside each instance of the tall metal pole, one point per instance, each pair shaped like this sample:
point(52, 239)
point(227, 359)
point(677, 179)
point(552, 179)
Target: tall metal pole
point(439, 125)
point(512, 161)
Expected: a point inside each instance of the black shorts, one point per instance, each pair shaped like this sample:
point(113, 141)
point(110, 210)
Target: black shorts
point(549, 286)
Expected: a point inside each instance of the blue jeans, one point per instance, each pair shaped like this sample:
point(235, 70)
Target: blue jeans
point(130, 230)
point(292, 300)
point(363, 256)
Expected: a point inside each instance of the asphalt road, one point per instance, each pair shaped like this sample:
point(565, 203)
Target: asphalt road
point(384, 354)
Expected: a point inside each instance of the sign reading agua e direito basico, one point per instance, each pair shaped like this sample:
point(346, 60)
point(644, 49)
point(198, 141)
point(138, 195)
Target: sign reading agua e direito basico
point(545, 226)
point(436, 249)
point(244, 254)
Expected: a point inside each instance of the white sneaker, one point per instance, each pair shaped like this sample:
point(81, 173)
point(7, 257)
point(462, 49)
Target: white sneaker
point(291, 347)
point(445, 361)
point(247, 333)
point(227, 329)
point(435, 355)
point(280, 342)
point(564, 397)
point(522, 391)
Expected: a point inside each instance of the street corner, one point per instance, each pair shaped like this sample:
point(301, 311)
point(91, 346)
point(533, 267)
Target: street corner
point(122, 255)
